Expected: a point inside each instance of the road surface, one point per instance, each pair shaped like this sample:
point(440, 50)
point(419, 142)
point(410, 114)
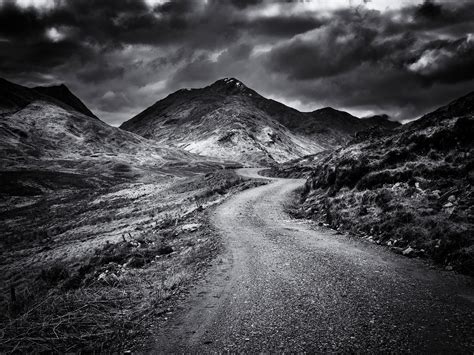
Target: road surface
point(284, 285)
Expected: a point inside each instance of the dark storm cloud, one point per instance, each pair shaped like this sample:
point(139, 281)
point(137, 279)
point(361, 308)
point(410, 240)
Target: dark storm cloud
point(366, 60)
point(282, 26)
point(121, 56)
point(20, 24)
point(351, 39)
point(331, 50)
point(100, 72)
point(41, 55)
point(429, 9)
point(446, 61)
point(242, 4)
point(432, 15)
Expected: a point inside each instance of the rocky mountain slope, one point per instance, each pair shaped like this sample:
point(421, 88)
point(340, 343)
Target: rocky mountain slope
point(229, 120)
point(410, 189)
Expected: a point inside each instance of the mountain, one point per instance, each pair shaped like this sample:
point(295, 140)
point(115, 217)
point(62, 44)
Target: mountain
point(229, 120)
point(411, 189)
point(14, 97)
point(221, 120)
point(63, 94)
point(340, 125)
point(36, 126)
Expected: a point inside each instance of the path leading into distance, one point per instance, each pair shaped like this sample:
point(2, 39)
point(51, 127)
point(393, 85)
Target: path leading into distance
point(284, 285)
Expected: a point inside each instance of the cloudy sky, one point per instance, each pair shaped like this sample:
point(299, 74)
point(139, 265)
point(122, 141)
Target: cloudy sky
point(364, 56)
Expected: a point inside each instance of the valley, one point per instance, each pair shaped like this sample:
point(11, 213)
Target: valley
point(133, 238)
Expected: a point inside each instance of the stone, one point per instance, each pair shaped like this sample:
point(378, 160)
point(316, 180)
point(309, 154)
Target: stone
point(408, 251)
point(108, 278)
point(102, 277)
point(191, 227)
point(449, 268)
point(452, 198)
point(448, 205)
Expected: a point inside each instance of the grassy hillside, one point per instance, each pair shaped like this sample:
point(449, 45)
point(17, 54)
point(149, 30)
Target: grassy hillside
point(410, 190)
point(89, 268)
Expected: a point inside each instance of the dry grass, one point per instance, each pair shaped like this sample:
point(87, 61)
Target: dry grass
point(106, 297)
point(411, 190)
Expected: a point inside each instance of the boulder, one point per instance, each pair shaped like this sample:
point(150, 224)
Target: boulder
point(191, 227)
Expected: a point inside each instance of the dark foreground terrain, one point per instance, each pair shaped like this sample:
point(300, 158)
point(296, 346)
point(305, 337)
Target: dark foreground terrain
point(287, 286)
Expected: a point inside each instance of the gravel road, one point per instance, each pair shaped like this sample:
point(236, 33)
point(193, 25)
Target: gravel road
point(283, 285)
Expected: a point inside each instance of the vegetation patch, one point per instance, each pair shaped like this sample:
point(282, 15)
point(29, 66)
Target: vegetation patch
point(411, 190)
point(76, 291)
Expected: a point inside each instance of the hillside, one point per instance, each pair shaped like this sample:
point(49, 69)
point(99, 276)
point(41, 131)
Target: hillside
point(84, 204)
point(229, 120)
point(47, 145)
point(410, 189)
point(36, 126)
point(46, 131)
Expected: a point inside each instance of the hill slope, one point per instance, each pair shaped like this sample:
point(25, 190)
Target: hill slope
point(411, 189)
point(229, 120)
point(36, 126)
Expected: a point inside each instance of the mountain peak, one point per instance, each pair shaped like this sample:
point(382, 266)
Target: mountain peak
point(331, 111)
point(229, 82)
point(62, 93)
point(231, 86)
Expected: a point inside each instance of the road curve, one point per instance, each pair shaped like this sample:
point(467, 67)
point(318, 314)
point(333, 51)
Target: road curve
point(284, 285)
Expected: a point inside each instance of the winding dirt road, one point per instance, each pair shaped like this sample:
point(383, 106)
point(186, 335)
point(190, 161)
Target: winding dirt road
point(283, 285)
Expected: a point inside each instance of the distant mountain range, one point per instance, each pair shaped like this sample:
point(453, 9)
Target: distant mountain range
point(229, 120)
point(223, 121)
